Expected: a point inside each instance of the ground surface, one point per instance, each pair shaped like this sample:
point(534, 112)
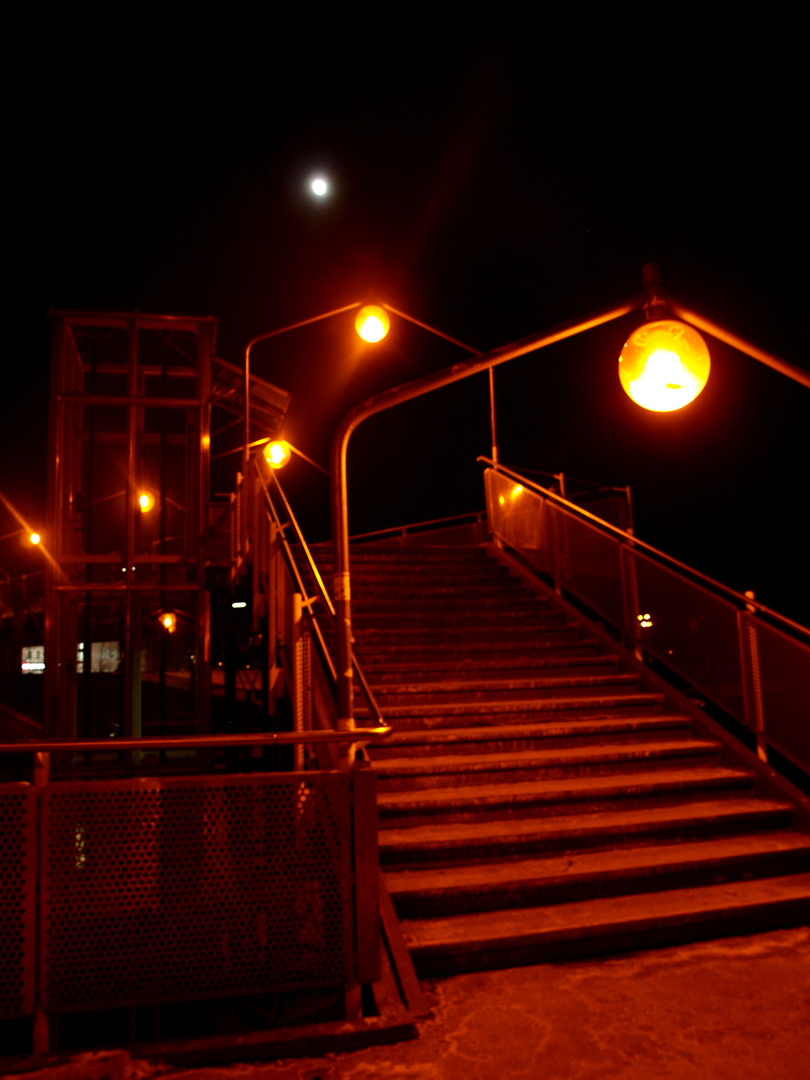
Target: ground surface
point(738, 1008)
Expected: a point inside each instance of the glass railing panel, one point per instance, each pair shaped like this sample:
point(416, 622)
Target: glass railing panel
point(692, 631)
point(784, 669)
point(590, 564)
point(516, 515)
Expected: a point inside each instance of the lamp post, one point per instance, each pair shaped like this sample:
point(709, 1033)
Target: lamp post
point(657, 305)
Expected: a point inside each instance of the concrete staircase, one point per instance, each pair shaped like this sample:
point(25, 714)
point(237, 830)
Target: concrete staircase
point(536, 799)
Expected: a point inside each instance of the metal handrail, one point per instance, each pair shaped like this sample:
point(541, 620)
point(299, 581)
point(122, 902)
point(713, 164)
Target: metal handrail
point(321, 588)
point(403, 530)
point(275, 738)
point(633, 541)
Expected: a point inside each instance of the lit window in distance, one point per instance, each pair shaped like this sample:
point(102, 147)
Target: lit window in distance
point(664, 365)
point(372, 323)
point(319, 186)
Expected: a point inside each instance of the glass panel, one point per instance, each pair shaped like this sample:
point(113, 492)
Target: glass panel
point(164, 671)
point(784, 666)
point(102, 500)
point(516, 515)
point(691, 631)
point(591, 566)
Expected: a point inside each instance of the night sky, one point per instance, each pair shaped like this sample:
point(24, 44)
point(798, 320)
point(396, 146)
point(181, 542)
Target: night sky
point(492, 181)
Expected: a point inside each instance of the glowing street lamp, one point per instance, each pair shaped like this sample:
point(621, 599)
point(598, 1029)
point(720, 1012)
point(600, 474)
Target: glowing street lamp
point(35, 538)
point(664, 365)
point(372, 323)
point(168, 620)
point(681, 378)
point(277, 453)
point(146, 500)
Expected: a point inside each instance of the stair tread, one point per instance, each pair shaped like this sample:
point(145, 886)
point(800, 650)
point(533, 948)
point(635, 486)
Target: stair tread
point(591, 823)
point(551, 682)
point(567, 658)
point(574, 866)
point(507, 705)
point(584, 918)
point(544, 729)
point(599, 752)
point(581, 786)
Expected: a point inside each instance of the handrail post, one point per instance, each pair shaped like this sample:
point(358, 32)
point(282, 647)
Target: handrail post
point(751, 679)
point(42, 1021)
point(297, 665)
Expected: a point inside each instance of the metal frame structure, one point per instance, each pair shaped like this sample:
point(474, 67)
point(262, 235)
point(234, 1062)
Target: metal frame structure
point(653, 300)
point(130, 406)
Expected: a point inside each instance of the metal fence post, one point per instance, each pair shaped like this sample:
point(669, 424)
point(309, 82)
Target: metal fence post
point(751, 680)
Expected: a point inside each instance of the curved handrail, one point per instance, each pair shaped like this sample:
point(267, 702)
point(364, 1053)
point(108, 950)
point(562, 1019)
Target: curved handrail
point(323, 595)
point(632, 540)
point(184, 742)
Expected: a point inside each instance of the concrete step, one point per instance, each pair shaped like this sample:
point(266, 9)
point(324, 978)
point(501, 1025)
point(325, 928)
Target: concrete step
point(476, 624)
point(468, 842)
point(592, 927)
point(574, 700)
point(392, 671)
point(670, 786)
point(425, 606)
point(582, 875)
point(562, 638)
point(456, 769)
point(498, 737)
point(509, 688)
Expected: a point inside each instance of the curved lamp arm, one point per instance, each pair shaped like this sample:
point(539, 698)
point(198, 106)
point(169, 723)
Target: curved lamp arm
point(396, 396)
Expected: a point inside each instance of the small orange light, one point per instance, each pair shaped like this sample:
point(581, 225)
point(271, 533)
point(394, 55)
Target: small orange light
point(277, 454)
point(372, 323)
point(664, 365)
point(168, 620)
point(35, 538)
point(146, 501)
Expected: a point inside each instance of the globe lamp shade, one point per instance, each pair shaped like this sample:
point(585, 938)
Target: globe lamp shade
point(664, 365)
point(168, 620)
point(277, 454)
point(372, 323)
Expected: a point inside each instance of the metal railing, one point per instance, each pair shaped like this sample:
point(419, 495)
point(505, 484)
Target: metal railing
point(263, 486)
point(746, 658)
point(147, 891)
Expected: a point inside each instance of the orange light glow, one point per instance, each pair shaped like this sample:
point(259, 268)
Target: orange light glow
point(146, 501)
point(372, 323)
point(277, 454)
point(664, 365)
point(168, 620)
point(35, 538)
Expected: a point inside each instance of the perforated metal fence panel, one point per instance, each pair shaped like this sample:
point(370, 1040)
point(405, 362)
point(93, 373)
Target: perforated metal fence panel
point(166, 890)
point(18, 818)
